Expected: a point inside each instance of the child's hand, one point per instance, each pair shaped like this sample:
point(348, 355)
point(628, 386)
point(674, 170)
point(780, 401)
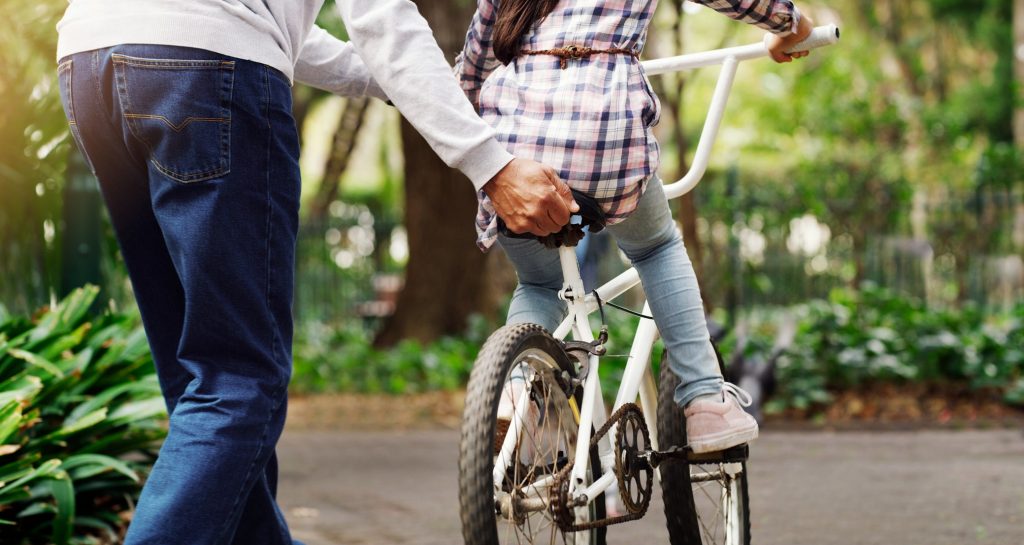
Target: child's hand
point(778, 45)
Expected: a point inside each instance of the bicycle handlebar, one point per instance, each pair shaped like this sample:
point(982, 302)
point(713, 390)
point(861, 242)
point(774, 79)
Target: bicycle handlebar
point(820, 37)
point(729, 58)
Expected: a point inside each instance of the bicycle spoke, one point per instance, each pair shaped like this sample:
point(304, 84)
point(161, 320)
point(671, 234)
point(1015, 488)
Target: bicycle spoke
point(711, 524)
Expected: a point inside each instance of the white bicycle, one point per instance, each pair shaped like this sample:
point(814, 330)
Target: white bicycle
point(539, 473)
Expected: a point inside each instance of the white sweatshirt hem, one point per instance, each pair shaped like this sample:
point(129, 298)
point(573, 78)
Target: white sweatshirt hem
point(219, 36)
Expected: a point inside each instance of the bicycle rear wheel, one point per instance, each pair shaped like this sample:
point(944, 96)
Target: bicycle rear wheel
point(706, 503)
point(526, 367)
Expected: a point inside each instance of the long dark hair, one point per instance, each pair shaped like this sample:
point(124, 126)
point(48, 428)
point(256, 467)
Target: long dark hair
point(514, 20)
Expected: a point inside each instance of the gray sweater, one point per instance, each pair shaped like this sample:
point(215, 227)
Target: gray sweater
point(392, 54)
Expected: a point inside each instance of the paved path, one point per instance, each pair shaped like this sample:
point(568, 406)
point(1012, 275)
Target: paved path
point(813, 488)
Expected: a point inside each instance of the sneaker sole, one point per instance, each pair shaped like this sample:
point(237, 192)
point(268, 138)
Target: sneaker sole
point(723, 441)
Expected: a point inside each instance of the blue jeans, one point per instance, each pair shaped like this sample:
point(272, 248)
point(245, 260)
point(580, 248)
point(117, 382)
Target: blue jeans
point(197, 158)
point(651, 241)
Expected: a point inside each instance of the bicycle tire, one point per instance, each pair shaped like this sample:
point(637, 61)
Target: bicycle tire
point(477, 446)
point(679, 493)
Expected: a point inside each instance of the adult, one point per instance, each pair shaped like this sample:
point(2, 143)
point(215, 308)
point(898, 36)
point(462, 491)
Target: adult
point(183, 111)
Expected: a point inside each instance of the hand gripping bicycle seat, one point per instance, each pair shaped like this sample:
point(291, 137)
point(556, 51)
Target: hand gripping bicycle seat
point(591, 216)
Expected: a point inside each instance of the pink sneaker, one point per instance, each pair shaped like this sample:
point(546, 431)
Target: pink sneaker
point(716, 423)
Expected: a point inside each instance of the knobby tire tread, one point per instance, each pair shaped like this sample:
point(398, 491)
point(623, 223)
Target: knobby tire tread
point(676, 489)
point(476, 447)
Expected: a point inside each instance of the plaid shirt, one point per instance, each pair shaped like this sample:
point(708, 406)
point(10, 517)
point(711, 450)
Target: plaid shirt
point(592, 122)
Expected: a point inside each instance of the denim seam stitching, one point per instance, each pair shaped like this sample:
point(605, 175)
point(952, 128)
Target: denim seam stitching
point(126, 107)
point(225, 138)
point(250, 474)
point(68, 66)
point(95, 71)
point(171, 63)
point(178, 128)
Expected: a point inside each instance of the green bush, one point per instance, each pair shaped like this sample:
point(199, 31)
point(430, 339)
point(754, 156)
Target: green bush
point(343, 359)
point(851, 340)
point(80, 418)
point(872, 336)
point(329, 359)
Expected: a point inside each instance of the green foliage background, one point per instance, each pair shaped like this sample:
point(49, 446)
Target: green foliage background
point(901, 131)
point(80, 418)
point(34, 143)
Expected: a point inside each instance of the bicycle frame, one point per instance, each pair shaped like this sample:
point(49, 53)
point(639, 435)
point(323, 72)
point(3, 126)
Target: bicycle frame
point(638, 380)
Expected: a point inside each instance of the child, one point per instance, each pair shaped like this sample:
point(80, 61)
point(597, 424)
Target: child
point(561, 83)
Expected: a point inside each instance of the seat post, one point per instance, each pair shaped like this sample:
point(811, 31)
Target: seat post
point(572, 280)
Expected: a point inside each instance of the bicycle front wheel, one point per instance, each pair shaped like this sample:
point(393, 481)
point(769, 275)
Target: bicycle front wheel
point(521, 386)
point(706, 503)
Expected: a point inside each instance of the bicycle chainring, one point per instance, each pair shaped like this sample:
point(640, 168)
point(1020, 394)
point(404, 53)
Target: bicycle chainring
point(635, 475)
point(562, 506)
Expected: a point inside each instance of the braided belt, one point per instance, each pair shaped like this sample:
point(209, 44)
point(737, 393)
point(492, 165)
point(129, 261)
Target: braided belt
point(579, 52)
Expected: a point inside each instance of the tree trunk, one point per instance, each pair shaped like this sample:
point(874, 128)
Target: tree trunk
point(342, 145)
point(447, 278)
point(673, 108)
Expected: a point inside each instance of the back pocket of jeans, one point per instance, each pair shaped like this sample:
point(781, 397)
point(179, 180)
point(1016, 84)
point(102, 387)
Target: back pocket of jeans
point(180, 110)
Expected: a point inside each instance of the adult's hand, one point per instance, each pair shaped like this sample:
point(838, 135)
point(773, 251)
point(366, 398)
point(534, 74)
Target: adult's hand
point(778, 46)
point(530, 198)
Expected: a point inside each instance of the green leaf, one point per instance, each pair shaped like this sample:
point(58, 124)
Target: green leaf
point(38, 361)
point(76, 305)
point(95, 523)
point(77, 425)
point(45, 327)
point(57, 347)
point(136, 345)
point(18, 467)
point(83, 466)
point(48, 469)
point(37, 508)
point(154, 407)
point(20, 388)
point(105, 398)
point(10, 419)
point(102, 335)
point(63, 491)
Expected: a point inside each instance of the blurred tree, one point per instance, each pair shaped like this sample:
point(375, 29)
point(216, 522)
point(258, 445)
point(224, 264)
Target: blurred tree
point(35, 142)
point(342, 145)
point(671, 91)
point(447, 279)
point(350, 122)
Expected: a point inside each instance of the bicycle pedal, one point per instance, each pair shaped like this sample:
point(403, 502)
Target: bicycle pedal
point(737, 454)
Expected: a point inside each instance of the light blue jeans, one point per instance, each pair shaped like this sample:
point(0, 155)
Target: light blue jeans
point(652, 242)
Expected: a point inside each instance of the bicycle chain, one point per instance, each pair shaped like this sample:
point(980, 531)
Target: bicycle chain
point(561, 504)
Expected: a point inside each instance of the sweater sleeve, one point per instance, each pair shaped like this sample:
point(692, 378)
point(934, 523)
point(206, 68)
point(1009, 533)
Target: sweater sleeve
point(328, 63)
point(776, 16)
point(399, 49)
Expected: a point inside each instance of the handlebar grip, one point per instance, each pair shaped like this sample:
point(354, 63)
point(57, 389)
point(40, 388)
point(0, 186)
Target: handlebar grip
point(820, 37)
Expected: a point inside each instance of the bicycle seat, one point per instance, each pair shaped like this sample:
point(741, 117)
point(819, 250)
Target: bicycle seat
point(590, 216)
